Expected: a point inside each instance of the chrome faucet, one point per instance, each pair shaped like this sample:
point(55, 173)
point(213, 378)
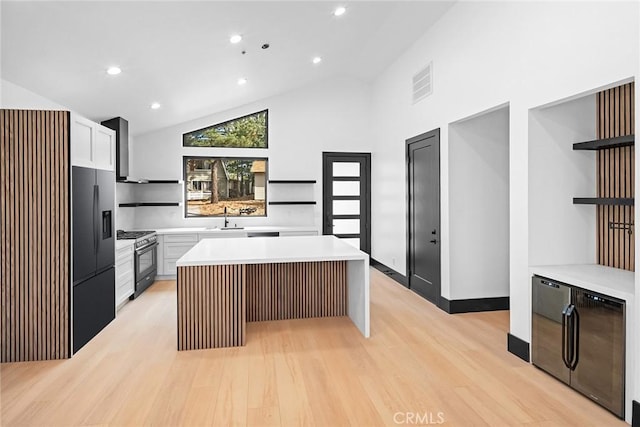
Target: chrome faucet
point(226, 220)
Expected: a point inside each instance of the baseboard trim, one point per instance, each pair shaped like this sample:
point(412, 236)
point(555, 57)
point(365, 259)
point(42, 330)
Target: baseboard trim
point(635, 414)
point(518, 347)
point(473, 305)
point(389, 272)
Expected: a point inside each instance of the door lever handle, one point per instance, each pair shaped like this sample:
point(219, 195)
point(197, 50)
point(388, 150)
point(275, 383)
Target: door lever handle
point(434, 241)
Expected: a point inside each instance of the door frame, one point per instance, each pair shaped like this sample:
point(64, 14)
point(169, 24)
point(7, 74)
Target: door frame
point(326, 200)
point(408, 142)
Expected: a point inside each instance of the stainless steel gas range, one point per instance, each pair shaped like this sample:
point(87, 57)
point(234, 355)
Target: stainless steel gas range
point(145, 257)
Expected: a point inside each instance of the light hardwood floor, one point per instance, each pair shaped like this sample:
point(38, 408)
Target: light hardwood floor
point(418, 362)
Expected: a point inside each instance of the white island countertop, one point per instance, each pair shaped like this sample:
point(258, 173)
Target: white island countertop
point(250, 229)
point(609, 281)
point(261, 250)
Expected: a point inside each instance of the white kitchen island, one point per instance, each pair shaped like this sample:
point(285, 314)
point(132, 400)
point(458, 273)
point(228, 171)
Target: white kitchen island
point(225, 282)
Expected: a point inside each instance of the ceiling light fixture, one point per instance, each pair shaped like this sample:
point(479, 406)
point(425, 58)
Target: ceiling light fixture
point(236, 38)
point(155, 106)
point(340, 10)
point(316, 60)
point(114, 71)
point(242, 81)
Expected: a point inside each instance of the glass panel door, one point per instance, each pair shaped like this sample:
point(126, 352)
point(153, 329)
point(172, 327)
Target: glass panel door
point(346, 198)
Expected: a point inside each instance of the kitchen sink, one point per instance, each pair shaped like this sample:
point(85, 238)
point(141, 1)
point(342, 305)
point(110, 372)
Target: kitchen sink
point(231, 228)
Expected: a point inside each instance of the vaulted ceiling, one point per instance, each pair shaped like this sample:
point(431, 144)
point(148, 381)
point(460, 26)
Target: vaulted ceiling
point(178, 54)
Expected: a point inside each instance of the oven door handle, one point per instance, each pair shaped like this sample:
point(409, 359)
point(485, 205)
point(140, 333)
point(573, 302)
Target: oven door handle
point(146, 249)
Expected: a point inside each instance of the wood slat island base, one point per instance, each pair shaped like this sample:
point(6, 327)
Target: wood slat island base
point(215, 301)
point(212, 303)
point(296, 290)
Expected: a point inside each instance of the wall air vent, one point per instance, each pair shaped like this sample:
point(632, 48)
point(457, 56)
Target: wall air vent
point(423, 83)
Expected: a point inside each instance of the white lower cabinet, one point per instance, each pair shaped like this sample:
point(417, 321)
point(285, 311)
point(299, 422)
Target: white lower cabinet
point(227, 234)
point(173, 247)
point(125, 274)
point(298, 233)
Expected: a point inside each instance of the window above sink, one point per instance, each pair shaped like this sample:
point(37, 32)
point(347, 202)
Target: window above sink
point(213, 184)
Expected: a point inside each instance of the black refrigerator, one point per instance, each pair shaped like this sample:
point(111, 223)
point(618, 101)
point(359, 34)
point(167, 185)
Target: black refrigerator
point(93, 252)
point(578, 336)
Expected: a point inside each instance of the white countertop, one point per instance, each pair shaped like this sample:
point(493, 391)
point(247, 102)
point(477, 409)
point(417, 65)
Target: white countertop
point(124, 243)
point(610, 281)
point(263, 250)
point(265, 228)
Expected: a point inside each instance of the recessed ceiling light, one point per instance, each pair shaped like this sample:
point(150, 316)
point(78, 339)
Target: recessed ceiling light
point(114, 71)
point(242, 81)
point(316, 60)
point(340, 10)
point(155, 106)
point(236, 38)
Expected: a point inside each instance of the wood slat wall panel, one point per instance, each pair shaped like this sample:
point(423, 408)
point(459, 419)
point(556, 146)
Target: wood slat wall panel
point(211, 306)
point(34, 155)
point(615, 172)
point(296, 290)
point(215, 302)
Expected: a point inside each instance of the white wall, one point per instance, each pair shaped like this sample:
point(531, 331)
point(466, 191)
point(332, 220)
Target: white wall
point(13, 96)
point(636, 318)
point(479, 206)
point(559, 231)
point(125, 217)
point(330, 116)
point(637, 254)
point(486, 54)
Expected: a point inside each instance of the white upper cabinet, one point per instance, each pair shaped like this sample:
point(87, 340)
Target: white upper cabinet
point(92, 145)
point(82, 141)
point(105, 148)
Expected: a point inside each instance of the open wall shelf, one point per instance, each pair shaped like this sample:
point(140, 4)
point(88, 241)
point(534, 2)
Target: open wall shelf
point(285, 181)
point(165, 181)
point(171, 182)
point(136, 204)
point(614, 201)
point(294, 203)
point(615, 165)
point(599, 144)
point(152, 181)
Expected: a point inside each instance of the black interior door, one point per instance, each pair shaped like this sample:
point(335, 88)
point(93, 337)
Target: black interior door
point(346, 190)
point(423, 240)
